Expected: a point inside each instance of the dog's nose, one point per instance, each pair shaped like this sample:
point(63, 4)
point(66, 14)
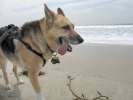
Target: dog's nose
point(80, 39)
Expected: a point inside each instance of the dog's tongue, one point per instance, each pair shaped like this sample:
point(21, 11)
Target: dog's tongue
point(62, 49)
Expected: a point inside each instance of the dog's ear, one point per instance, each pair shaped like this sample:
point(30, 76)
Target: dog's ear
point(49, 15)
point(60, 11)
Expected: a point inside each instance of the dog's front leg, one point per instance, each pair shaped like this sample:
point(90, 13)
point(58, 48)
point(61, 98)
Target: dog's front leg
point(33, 75)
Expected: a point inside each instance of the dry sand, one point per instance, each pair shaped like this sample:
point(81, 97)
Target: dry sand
point(102, 67)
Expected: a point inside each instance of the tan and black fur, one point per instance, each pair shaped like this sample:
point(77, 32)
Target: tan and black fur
point(54, 33)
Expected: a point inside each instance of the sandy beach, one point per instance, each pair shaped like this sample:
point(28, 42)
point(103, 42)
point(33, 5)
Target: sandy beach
point(106, 68)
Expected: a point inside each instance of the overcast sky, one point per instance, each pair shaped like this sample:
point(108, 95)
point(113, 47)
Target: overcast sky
point(81, 12)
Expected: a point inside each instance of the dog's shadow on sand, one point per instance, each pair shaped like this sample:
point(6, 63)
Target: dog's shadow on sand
point(13, 94)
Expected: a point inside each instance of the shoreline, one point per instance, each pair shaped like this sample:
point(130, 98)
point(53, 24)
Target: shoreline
point(109, 44)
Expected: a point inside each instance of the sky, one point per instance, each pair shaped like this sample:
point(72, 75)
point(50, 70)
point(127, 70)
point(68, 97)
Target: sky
point(80, 12)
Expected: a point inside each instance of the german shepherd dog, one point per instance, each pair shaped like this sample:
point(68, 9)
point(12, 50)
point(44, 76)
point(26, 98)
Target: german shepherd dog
point(53, 33)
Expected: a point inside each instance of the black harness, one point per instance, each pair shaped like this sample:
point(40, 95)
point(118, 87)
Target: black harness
point(10, 32)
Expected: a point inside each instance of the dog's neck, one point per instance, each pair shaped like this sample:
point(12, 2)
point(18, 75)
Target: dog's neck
point(43, 25)
point(48, 51)
point(38, 42)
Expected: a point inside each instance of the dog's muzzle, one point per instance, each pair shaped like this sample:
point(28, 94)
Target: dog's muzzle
point(64, 43)
point(77, 39)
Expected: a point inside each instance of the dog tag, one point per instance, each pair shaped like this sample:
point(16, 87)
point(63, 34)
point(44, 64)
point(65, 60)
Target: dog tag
point(55, 59)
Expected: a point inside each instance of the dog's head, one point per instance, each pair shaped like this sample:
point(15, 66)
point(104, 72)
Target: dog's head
point(60, 33)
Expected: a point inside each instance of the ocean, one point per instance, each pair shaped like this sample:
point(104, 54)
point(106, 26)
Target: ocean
point(82, 12)
point(109, 34)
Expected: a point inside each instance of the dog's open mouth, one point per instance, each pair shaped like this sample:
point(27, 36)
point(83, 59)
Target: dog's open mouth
point(64, 46)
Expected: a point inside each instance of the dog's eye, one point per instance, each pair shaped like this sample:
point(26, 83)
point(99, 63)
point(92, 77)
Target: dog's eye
point(60, 40)
point(66, 27)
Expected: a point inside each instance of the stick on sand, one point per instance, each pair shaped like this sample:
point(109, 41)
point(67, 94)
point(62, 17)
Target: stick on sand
point(82, 97)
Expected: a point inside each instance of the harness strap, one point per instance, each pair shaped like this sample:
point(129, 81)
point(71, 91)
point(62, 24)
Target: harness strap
point(12, 32)
point(28, 46)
